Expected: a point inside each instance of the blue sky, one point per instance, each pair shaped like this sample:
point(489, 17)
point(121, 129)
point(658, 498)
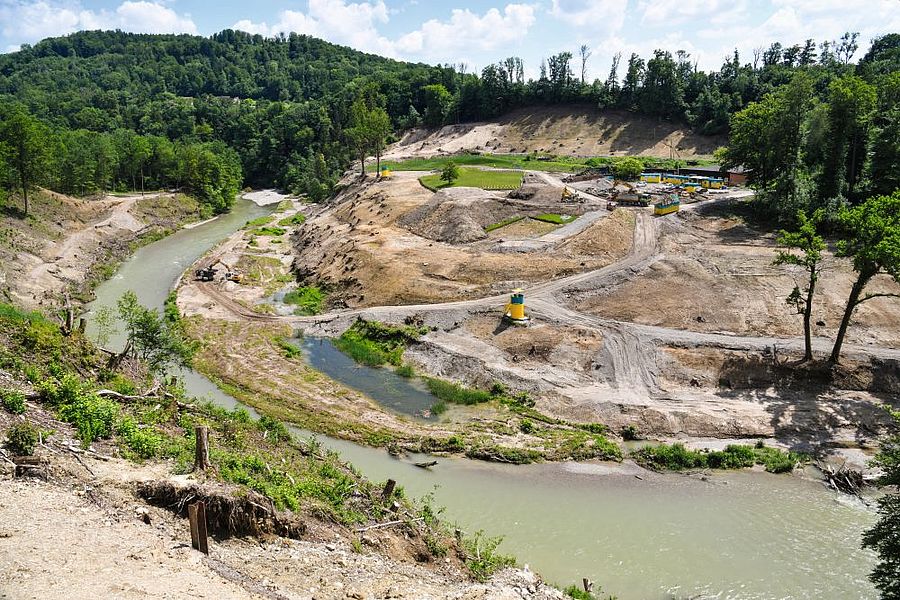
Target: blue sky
point(477, 32)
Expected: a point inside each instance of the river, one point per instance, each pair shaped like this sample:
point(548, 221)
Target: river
point(642, 536)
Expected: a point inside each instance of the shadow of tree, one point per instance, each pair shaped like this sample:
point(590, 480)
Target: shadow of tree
point(814, 406)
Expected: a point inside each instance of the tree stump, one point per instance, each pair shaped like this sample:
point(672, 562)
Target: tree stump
point(201, 455)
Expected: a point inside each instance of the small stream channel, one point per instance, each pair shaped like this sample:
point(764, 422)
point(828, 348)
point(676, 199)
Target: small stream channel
point(732, 535)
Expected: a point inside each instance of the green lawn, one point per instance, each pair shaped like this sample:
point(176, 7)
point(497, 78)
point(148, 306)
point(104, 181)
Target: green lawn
point(523, 161)
point(487, 180)
point(555, 218)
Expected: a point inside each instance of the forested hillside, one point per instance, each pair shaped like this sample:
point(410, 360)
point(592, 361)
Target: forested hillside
point(96, 111)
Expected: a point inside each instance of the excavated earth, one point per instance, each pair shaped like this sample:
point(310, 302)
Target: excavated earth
point(674, 325)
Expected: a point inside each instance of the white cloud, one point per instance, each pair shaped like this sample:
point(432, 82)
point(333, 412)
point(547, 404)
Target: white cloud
point(702, 12)
point(468, 32)
point(353, 24)
point(32, 21)
point(357, 24)
point(608, 15)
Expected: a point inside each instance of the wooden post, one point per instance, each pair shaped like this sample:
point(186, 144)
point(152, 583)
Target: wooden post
point(82, 325)
point(588, 585)
point(388, 490)
point(197, 519)
point(201, 455)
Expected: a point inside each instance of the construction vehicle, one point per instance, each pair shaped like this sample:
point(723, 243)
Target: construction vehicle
point(207, 274)
point(568, 195)
point(233, 276)
point(611, 206)
point(630, 198)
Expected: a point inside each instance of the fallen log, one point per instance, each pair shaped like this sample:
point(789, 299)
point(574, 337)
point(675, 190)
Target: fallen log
point(426, 465)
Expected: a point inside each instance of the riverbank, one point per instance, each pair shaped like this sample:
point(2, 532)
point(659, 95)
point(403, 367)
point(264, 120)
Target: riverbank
point(67, 246)
point(112, 477)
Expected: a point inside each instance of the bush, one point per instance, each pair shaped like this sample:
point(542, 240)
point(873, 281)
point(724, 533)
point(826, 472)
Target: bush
point(455, 393)
point(22, 438)
point(308, 300)
point(482, 558)
point(92, 416)
point(143, 442)
point(629, 433)
point(275, 429)
point(526, 426)
point(678, 458)
point(297, 219)
point(405, 371)
point(438, 408)
point(13, 401)
point(374, 344)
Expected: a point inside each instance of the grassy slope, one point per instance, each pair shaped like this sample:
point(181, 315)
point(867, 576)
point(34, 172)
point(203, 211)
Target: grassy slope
point(487, 180)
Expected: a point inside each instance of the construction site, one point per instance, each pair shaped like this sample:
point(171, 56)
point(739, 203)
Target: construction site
point(648, 306)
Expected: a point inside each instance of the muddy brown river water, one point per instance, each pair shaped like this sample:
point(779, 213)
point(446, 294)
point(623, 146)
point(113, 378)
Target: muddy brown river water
point(641, 536)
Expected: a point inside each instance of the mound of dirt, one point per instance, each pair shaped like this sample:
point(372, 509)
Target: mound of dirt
point(541, 193)
point(458, 215)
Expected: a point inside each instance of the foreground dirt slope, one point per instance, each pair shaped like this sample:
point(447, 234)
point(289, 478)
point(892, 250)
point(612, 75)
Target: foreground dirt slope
point(565, 130)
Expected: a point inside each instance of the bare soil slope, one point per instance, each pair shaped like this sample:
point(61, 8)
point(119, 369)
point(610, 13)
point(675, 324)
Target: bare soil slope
point(362, 251)
point(716, 275)
point(565, 130)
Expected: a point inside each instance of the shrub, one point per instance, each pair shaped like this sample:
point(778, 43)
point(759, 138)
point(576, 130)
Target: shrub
point(526, 426)
point(308, 300)
point(438, 408)
point(455, 393)
point(22, 438)
point(275, 430)
point(297, 219)
point(405, 370)
point(482, 558)
point(374, 344)
point(13, 401)
point(143, 442)
point(629, 433)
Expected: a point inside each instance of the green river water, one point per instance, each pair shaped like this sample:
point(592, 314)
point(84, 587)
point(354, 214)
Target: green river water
point(736, 535)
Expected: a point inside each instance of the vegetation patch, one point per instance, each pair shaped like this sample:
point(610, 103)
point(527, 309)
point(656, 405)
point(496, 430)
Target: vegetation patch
point(479, 178)
point(676, 457)
point(503, 223)
point(373, 343)
point(258, 222)
point(271, 231)
point(555, 218)
point(22, 438)
point(13, 401)
point(448, 391)
point(308, 300)
point(534, 162)
point(298, 219)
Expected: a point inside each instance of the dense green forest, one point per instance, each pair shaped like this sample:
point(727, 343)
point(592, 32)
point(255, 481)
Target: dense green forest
point(114, 110)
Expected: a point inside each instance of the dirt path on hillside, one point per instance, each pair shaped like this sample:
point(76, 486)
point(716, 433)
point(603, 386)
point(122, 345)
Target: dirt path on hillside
point(68, 260)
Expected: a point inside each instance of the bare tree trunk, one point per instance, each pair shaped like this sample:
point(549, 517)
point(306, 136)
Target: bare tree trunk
point(852, 301)
point(24, 190)
point(807, 317)
point(201, 450)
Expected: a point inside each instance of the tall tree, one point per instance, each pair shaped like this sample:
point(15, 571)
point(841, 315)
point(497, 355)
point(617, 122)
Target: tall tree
point(851, 102)
point(885, 151)
point(584, 51)
point(871, 239)
point(809, 245)
point(27, 149)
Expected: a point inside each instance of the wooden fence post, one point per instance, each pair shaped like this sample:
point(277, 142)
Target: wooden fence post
point(197, 519)
point(588, 585)
point(201, 454)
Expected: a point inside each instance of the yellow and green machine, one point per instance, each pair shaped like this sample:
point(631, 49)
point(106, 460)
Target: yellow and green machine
point(515, 308)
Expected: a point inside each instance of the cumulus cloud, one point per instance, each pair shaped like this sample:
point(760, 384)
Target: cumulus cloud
point(608, 15)
point(353, 24)
point(468, 31)
point(28, 22)
point(356, 25)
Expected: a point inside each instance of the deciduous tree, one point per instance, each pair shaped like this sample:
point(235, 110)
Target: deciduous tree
point(871, 239)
